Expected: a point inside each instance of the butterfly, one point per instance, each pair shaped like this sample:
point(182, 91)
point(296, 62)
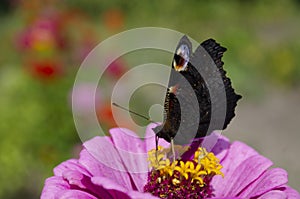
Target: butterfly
point(199, 97)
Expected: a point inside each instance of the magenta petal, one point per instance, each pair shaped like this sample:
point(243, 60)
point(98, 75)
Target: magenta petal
point(139, 195)
point(244, 174)
point(107, 183)
point(79, 181)
point(101, 158)
point(234, 161)
point(271, 179)
point(274, 194)
point(220, 149)
point(54, 185)
point(74, 194)
point(114, 189)
point(227, 198)
point(238, 153)
point(68, 165)
point(133, 154)
point(127, 140)
point(76, 178)
point(291, 193)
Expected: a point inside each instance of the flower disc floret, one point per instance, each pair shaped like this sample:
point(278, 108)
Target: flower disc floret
point(179, 179)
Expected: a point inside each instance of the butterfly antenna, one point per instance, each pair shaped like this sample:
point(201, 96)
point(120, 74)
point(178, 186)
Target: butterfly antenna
point(146, 118)
point(133, 112)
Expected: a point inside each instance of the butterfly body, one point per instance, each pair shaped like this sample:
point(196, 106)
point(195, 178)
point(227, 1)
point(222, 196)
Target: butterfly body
point(189, 104)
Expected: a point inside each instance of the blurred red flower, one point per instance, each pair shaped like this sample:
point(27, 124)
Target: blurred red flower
point(46, 69)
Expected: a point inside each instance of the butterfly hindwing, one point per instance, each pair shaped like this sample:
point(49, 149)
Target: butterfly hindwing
point(216, 52)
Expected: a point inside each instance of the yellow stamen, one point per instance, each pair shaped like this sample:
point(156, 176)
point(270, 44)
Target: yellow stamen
point(203, 165)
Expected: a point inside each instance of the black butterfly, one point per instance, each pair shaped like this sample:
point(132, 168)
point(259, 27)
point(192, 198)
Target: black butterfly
point(198, 89)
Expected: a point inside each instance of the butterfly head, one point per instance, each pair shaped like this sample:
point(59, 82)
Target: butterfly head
point(165, 131)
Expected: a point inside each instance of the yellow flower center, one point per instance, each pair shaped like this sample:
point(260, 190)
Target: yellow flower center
point(191, 177)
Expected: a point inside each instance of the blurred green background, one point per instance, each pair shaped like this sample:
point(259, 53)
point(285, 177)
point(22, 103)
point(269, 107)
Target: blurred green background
point(44, 42)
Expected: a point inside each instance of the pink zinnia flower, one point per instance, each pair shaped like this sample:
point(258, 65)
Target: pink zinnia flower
point(82, 97)
point(117, 167)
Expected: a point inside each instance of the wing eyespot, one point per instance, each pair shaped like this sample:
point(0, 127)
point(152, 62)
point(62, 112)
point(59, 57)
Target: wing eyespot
point(181, 58)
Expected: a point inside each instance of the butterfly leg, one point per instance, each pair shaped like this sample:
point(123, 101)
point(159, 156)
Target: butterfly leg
point(173, 149)
point(202, 155)
point(156, 146)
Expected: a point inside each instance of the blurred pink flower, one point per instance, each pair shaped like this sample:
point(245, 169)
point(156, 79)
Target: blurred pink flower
point(116, 167)
point(117, 68)
point(43, 34)
point(83, 99)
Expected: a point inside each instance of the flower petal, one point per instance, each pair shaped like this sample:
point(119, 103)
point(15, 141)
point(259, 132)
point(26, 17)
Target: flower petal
point(291, 193)
point(227, 198)
point(68, 165)
point(106, 189)
point(133, 154)
point(214, 142)
point(54, 185)
point(115, 190)
point(76, 179)
point(220, 149)
point(139, 195)
point(245, 173)
point(237, 159)
point(269, 180)
point(101, 158)
point(274, 194)
point(71, 194)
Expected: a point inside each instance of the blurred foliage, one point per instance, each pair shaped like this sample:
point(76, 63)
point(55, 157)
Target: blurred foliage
point(37, 129)
point(36, 126)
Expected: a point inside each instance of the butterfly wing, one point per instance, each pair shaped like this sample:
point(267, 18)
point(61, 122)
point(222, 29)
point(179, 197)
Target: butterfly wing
point(216, 81)
point(188, 104)
point(179, 109)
